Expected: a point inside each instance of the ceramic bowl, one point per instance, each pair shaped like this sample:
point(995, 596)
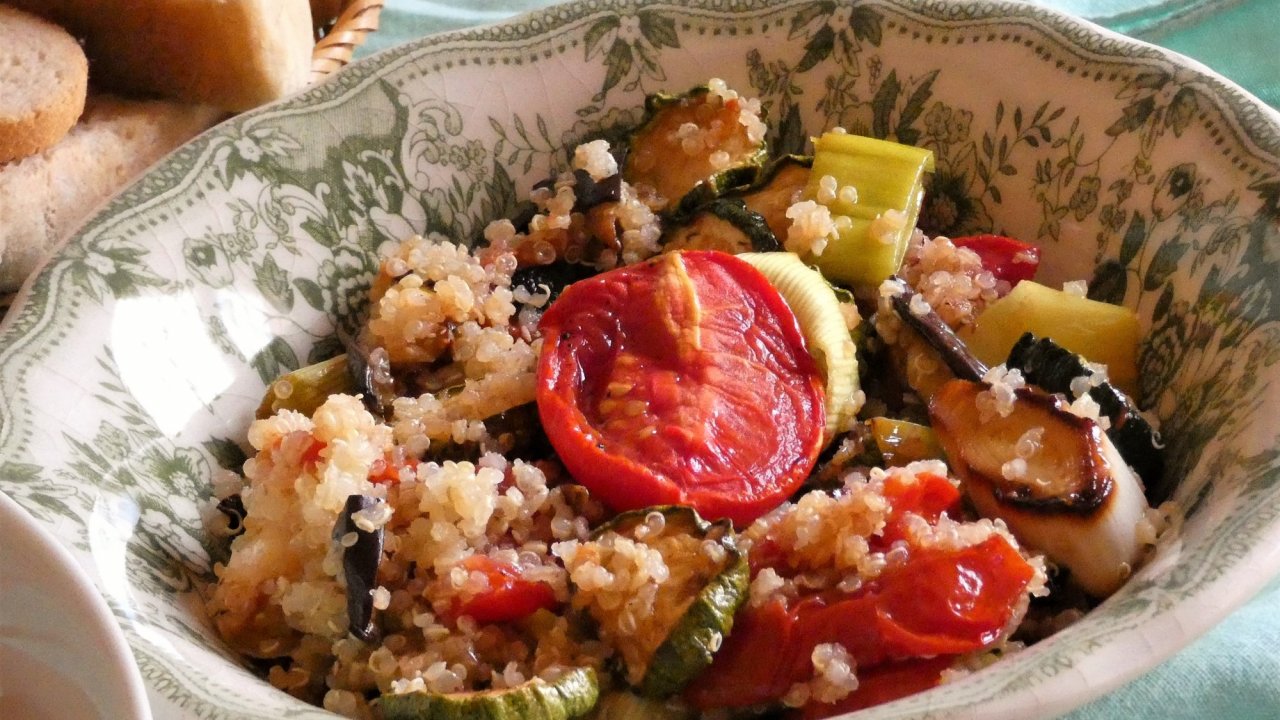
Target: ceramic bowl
point(131, 366)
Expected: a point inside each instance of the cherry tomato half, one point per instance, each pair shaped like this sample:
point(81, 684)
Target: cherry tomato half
point(940, 603)
point(509, 597)
point(683, 379)
point(1008, 259)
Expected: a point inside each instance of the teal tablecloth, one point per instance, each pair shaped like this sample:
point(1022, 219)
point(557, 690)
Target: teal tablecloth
point(1232, 673)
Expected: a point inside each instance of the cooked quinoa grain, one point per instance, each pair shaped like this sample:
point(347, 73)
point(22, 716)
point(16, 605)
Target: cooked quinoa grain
point(423, 532)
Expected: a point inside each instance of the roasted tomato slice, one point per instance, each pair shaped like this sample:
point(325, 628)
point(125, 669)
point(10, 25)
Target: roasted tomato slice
point(1008, 259)
point(683, 379)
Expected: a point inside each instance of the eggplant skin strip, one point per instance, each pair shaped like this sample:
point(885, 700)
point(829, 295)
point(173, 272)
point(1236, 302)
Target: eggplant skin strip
point(940, 337)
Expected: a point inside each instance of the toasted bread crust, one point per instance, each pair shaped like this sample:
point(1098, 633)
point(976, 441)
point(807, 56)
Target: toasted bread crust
point(43, 80)
point(44, 197)
point(235, 54)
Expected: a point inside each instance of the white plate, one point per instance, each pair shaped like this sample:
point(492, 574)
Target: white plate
point(62, 654)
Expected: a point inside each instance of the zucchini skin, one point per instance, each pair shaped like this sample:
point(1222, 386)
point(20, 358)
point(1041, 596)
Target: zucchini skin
point(684, 193)
point(776, 189)
point(572, 695)
point(700, 232)
point(309, 387)
point(694, 640)
point(691, 644)
point(1053, 367)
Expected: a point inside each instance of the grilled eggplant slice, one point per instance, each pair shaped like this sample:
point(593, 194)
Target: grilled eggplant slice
point(1052, 476)
point(1054, 368)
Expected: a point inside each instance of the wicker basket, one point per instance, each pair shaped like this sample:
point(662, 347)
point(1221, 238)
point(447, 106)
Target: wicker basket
point(336, 42)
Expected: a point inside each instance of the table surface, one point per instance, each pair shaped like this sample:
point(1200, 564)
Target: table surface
point(1231, 673)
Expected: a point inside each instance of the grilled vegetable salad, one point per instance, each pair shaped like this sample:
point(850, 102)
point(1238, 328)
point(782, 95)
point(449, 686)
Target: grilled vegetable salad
point(696, 430)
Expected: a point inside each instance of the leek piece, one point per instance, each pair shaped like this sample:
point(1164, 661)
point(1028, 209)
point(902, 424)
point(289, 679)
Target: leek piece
point(1101, 332)
point(826, 332)
point(889, 179)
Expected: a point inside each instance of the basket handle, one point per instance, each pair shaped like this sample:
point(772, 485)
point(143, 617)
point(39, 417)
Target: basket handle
point(334, 50)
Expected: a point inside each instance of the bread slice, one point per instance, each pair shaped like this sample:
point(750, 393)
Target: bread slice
point(43, 80)
point(45, 197)
point(235, 54)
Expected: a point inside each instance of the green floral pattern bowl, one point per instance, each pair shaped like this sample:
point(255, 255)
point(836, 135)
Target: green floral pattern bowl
point(131, 365)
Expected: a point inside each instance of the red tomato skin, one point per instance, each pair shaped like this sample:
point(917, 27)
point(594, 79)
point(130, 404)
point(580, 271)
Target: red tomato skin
point(883, 684)
point(924, 494)
point(1010, 260)
point(684, 379)
point(510, 597)
point(940, 603)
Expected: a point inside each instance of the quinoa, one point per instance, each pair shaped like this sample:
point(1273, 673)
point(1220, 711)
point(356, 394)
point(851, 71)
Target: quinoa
point(281, 594)
point(812, 227)
point(951, 279)
point(466, 507)
point(638, 588)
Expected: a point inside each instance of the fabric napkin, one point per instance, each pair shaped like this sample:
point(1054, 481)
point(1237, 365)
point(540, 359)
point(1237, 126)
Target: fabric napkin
point(1233, 672)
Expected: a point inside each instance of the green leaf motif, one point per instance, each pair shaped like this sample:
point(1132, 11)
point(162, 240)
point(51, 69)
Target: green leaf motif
point(226, 453)
point(866, 25)
point(1133, 117)
point(1110, 282)
point(817, 49)
point(1164, 264)
point(311, 292)
point(20, 472)
point(791, 136)
point(618, 63)
point(882, 104)
point(1181, 111)
point(323, 233)
point(807, 15)
point(273, 283)
point(1163, 305)
point(1152, 80)
point(913, 109)
point(501, 193)
point(1134, 238)
point(594, 35)
point(274, 360)
point(659, 29)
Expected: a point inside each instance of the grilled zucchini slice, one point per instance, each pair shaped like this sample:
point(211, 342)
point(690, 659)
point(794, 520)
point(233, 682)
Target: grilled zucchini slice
point(571, 695)
point(724, 224)
point(306, 388)
point(777, 189)
point(674, 638)
point(693, 147)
